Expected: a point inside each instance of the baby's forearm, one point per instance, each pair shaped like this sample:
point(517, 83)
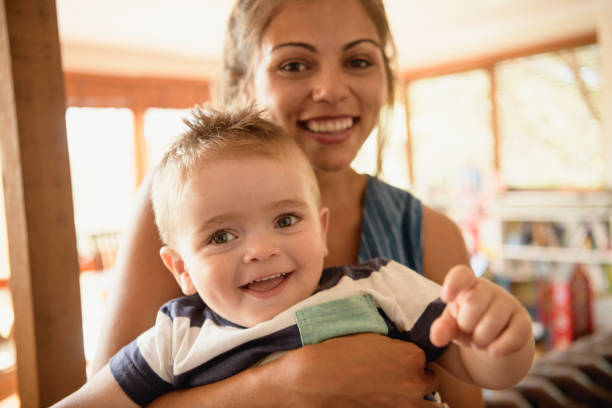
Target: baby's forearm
point(483, 369)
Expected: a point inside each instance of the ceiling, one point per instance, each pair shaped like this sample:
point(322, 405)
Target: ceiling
point(184, 37)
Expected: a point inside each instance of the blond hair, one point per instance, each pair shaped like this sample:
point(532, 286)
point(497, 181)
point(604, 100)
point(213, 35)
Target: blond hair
point(247, 23)
point(215, 134)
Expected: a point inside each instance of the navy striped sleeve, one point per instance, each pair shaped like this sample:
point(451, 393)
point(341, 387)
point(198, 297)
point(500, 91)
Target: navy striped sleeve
point(135, 376)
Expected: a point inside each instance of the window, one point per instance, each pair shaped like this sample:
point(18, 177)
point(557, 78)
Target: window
point(101, 148)
point(161, 127)
point(530, 122)
point(549, 108)
point(452, 139)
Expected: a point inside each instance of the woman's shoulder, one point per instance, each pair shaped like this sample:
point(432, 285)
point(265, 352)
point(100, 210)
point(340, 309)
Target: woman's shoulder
point(385, 195)
point(391, 225)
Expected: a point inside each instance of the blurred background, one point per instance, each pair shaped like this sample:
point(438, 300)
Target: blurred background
point(501, 124)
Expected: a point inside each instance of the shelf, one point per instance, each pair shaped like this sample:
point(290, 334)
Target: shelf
point(555, 254)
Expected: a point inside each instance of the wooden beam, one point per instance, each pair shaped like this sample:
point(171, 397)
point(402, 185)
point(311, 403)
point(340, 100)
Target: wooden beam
point(38, 200)
point(94, 90)
point(483, 61)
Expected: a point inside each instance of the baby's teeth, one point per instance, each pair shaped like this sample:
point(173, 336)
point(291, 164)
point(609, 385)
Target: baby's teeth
point(278, 275)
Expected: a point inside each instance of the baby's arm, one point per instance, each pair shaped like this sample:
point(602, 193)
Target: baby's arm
point(100, 391)
point(492, 342)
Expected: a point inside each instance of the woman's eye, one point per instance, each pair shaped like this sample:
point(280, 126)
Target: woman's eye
point(359, 63)
point(293, 67)
point(221, 237)
point(287, 220)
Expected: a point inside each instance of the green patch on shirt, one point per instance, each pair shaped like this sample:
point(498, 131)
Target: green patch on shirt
point(355, 314)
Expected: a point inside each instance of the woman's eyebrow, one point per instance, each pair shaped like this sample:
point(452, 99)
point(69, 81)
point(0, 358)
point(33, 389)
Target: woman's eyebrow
point(313, 49)
point(359, 41)
point(295, 44)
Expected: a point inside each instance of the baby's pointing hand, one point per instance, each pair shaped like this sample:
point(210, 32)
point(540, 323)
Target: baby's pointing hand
point(480, 314)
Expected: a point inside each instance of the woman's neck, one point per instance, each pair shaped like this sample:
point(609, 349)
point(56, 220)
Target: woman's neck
point(341, 188)
point(342, 192)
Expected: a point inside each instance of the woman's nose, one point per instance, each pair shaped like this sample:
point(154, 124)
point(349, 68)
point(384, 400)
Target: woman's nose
point(260, 248)
point(329, 85)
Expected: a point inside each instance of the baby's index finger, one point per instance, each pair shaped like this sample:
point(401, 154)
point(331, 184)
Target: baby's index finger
point(458, 279)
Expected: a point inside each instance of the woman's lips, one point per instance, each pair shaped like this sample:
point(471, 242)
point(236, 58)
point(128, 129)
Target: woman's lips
point(329, 131)
point(329, 125)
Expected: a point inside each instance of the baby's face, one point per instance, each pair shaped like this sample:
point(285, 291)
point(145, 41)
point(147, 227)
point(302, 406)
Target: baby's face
point(252, 236)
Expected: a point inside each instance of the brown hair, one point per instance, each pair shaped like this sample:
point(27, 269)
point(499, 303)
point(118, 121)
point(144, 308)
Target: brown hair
point(247, 23)
point(214, 134)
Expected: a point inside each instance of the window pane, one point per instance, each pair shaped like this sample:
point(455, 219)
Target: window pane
point(395, 160)
point(453, 153)
point(452, 139)
point(549, 107)
point(161, 127)
point(100, 145)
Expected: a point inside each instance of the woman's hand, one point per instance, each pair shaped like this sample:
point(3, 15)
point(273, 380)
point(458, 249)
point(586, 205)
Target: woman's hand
point(364, 370)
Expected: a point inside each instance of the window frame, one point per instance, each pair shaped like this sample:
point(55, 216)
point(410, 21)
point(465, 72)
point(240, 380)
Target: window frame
point(486, 63)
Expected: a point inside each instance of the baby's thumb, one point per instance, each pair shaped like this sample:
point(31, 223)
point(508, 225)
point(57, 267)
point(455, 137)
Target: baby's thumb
point(444, 329)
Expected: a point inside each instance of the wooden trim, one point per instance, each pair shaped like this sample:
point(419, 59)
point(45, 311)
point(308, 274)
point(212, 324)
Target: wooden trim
point(140, 147)
point(494, 123)
point(112, 91)
point(409, 149)
point(38, 200)
point(484, 61)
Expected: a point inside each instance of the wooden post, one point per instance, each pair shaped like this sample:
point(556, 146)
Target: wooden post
point(38, 200)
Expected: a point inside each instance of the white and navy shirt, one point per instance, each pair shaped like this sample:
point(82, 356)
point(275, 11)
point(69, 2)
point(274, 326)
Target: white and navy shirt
point(191, 345)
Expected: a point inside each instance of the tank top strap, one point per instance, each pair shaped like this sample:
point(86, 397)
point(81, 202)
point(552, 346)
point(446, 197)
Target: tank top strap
point(391, 225)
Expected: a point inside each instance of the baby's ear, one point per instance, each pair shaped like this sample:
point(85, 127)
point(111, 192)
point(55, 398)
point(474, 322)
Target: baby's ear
point(175, 264)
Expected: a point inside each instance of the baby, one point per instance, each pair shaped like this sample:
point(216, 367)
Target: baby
point(237, 206)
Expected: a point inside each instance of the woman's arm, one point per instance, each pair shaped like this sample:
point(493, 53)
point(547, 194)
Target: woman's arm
point(100, 391)
point(140, 282)
point(363, 370)
point(444, 248)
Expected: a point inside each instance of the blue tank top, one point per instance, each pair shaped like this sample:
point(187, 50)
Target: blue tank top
point(392, 225)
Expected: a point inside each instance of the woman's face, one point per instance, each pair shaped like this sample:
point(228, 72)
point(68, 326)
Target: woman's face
point(320, 73)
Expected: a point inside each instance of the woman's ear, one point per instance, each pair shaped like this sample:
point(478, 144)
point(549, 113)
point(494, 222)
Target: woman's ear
point(175, 264)
point(324, 219)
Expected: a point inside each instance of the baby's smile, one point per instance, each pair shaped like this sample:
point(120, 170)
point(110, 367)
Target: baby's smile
point(267, 286)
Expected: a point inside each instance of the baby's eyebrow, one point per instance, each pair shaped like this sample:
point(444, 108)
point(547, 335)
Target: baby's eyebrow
point(217, 220)
point(288, 203)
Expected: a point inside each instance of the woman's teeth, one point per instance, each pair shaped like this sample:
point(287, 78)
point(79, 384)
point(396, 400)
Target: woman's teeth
point(328, 126)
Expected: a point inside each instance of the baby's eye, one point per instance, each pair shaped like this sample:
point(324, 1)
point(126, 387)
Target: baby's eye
point(221, 237)
point(287, 220)
point(359, 63)
point(293, 66)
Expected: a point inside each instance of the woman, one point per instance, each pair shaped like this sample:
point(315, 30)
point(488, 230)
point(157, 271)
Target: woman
point(322, 70)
